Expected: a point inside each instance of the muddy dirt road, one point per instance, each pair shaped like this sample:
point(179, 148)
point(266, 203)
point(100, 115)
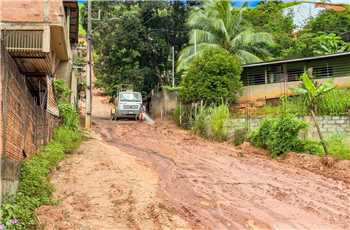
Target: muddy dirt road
point(132, 175)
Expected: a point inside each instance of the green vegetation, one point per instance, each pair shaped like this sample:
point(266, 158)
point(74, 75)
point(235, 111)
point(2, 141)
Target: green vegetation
point(212, 77)
point(82, 31)
point(211, 122)
point(268, 17)
point(330, 21)
point(311, 92)
point(34, 188)
point(68, 113)
point(240, 135)
point(70, 119)
point(279, 135)
point(61, 90)
point(333, 103)
point(184, 116)
point(133, 42)
point(215, 26)
point(321, 35)
point(338, 146)
point(310, 44)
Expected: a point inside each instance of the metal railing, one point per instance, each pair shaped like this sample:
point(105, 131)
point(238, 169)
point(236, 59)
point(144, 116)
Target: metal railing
point(24, 42)
point(260, 76)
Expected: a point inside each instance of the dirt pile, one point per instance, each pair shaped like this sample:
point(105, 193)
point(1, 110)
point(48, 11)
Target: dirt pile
point(340, 169)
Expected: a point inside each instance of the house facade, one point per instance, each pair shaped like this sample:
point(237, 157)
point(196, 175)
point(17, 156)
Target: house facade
point(269, 80)
point(38, 38)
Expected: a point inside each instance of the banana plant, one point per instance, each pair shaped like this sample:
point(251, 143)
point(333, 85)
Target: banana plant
point(312, 92)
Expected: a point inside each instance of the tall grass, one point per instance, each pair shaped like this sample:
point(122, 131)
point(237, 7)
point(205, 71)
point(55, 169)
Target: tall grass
point(333, 103)
point(211, 122)
point(217, 120)
point(338, 146)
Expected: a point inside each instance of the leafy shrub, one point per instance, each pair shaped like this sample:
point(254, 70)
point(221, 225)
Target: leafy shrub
point(61, 90)
point(69, 115)
point(312, 147)
point(212, 77)
point(34, 188)
point(240, 135)
point(262, 135)
point(285, 136)
point(279, 135)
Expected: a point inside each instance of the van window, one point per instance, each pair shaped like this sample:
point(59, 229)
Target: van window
point(130, 96)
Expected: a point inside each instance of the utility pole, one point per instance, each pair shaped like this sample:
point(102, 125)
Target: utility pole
point(89, 73)
point(173, 65)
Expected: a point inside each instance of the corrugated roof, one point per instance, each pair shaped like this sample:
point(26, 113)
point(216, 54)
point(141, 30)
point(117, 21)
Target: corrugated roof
point(297, 59)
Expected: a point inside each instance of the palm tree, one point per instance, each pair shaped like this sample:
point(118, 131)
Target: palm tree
point(216, 26)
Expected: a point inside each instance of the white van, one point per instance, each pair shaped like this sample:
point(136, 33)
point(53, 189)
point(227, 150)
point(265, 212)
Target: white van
point(127, 105)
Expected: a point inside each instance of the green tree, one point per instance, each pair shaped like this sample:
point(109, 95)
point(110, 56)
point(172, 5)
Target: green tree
point(216, 26)
point(311, 44)
point(330, 21)
point(303, 47)
point(269, 17)
point(213, 76)
point(312, 92)
point(132, 42)
point(329, 44)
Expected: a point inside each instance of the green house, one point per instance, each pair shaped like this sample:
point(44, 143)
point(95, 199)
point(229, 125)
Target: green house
point(273, 79)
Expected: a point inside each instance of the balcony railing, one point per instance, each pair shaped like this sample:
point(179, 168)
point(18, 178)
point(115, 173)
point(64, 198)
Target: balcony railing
point(265, 75)
point(24, 42)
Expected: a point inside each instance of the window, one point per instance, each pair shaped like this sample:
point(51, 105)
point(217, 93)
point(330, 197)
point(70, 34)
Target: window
point(323, 72)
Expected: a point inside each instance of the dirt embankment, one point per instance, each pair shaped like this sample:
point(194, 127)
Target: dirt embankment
point(135, 176)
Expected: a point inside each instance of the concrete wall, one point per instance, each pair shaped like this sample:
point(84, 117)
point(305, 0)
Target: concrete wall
point(328, 124)
point(163, 103)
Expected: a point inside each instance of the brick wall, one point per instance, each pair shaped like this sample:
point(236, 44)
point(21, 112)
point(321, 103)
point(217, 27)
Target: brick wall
point(32, 11)
point(26, 124)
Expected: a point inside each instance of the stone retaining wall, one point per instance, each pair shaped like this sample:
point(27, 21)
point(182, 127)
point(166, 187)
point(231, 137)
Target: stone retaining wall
point(328, 124)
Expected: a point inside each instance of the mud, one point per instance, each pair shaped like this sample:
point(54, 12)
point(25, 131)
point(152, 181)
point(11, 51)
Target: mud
point(131, 175)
